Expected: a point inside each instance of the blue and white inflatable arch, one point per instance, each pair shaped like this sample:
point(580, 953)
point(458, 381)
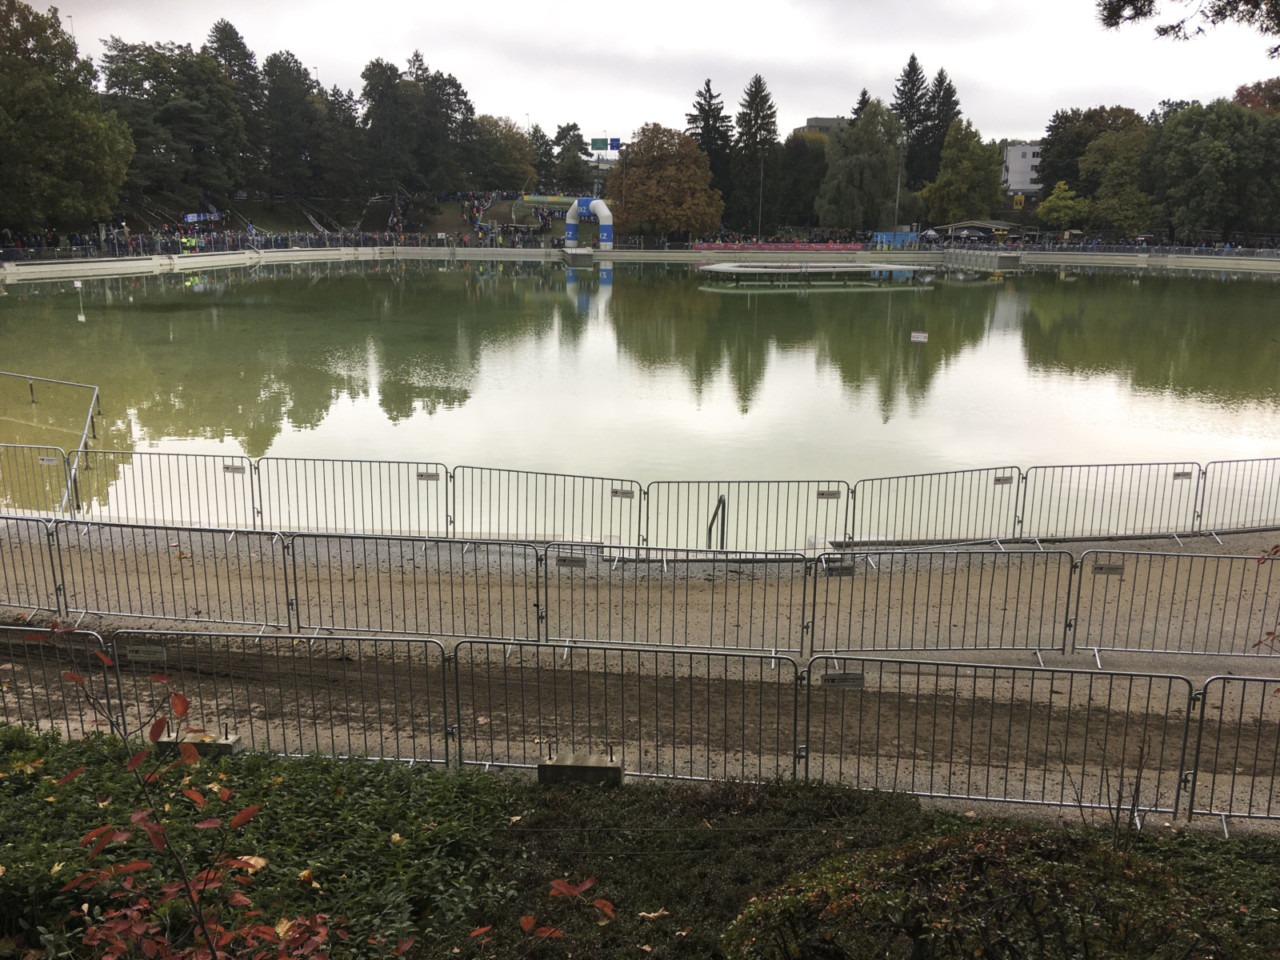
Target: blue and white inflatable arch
point(588, 206)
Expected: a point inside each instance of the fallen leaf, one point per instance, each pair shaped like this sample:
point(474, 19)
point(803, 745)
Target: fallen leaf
point(481, 721)
point(970, 813)
point(255, 863)
point(396, 838)
point(684, 932)
point(53, 872)
point(646, 948)
point(515, 819)
point(660, 912)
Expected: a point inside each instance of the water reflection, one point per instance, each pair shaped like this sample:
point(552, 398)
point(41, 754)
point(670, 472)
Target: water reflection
point(263, 355)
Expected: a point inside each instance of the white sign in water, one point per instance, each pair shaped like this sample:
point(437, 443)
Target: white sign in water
point(919, 336)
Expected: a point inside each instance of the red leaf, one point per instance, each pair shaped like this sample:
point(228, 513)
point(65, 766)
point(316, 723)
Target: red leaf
point(244, 816)
point(136, 760)
point(209, 824)
point(71, 776)
point(604, 906)
point(104, 658)
point(225, 794)
point(528, 923)
point(72, 884)
point(159, 678)
point(586, 884)
point(547, 932)
point(238, 899)
point(96, 832)
point(73, 677)
point(402, 946)
point(190, 755)
point(561, 888)
point(480, 930)
point(196, 796)
point(181, 705)
point(157, 729)
point(139, 815)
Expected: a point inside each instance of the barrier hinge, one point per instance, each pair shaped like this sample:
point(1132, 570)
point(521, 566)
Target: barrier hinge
point(1197, 696)
point(802, 677)
point(802, 751)
point(450, 658)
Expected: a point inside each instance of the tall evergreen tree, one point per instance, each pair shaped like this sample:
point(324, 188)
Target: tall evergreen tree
point(228, 48)
point(863, 99)
point(572, 174)
point(942, 109)
point(911, 103)
point(713, 131)
point(544, 157)
point(755, 149)
point(289, 122)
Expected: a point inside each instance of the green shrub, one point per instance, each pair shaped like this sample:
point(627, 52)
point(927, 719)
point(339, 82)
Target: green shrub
point(996, 893)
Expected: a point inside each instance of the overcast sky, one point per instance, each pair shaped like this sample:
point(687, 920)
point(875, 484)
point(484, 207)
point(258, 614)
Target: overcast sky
point(611, 66)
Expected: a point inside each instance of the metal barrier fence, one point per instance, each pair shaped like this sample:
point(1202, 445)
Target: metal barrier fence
point(747, 514)
point(1237, 749)
point(343, 696)
point(34, 481)
point(28, 578)
point(1240, 495)
point(33, 689)
point(1139, 742)
point(1021, 734)
point(1106, 501)
point(691, 598)
point(936, 600)
point(420, 498)
point(405, 585)
point(172, 573)
point(658, 713)
point(498, 504)
point(938, 507)
point(354, 496)
point(190, 489)
point(918, 601)
point(1176, 603)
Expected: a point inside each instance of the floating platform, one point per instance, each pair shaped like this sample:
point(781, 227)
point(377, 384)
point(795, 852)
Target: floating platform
point(785, 275)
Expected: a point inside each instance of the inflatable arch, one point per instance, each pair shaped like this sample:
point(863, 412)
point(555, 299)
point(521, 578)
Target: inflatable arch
point(585, 206)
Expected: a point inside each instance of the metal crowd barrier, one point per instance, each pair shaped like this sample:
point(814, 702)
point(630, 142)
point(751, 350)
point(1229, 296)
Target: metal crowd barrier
point(408, 585)
point(172, 573)
point(34, 481)
point(34, 690)
point(29, 578)
point(1027, 735)
point(422, 498)
point(938, 600)
point(355, 496)
point(690, 598)
point(1133, 743)
point(1176, 603)
point(190, 489)
point(963, 505)
point(659, 713)
point(281, 693)
point(494, 504)
point(1109, 501)
point(746, 515)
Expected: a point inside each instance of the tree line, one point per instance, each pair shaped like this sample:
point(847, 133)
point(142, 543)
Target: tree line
point(176, 128)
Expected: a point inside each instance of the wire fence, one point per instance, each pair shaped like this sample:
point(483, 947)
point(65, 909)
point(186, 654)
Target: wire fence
point(428, 499)
point(1133, 743)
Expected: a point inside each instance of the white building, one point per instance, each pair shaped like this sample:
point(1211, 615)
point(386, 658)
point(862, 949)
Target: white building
point(1021, 169)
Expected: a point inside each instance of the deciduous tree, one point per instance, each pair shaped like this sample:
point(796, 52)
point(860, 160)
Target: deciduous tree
point(1062, 208)
point(968, 183)
point(61, 156)
point(862, 171)
point(662, 185)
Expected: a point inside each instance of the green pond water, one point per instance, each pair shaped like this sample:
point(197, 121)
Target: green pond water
point(658, 375)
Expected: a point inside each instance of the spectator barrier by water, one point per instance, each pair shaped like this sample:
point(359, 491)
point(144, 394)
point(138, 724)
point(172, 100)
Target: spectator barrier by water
point(1137, 743)
point(423, 498)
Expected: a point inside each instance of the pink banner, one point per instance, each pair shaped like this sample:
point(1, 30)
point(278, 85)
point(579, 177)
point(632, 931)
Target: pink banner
point(780, 247)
